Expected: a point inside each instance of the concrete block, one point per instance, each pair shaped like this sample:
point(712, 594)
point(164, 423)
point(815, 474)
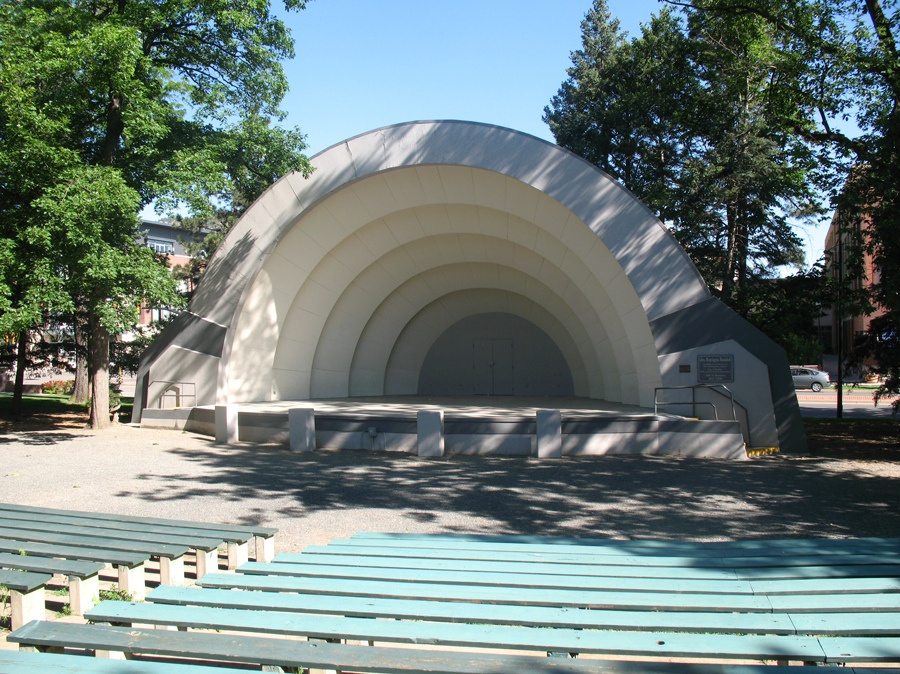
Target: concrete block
point(549, 434)
point(26, 606)
point(83, 593)
point(171, 570)
point(238, 554)
point(302, 429)
point(226, 424)
point(131, 580)
point(430, 430)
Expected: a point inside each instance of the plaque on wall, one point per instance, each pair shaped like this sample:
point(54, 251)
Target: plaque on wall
point(715, 368)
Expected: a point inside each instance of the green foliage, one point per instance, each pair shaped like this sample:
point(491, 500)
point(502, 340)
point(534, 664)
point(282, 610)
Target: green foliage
point(105, 107)
point(58, 387)
point(689, 125)
point(115, 594)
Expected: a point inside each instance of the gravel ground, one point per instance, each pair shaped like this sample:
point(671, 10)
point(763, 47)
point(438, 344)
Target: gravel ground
point(314, 498)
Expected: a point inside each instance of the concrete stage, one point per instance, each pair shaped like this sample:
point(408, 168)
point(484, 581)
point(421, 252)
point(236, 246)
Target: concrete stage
point(471, 425)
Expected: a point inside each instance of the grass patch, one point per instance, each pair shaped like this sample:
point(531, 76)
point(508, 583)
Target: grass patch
point(49, 411)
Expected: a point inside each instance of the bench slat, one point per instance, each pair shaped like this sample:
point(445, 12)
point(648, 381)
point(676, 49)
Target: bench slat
point(66, 567)
point(440, 561)
point(16, 662)
point(666, 644)
point(601, 581)
point(76, 541)
point(534, 580)
point(557, 556)
point(889, 547)
point(647, 601)
point(100, 535)
point(765, 546)
point(143, 527)
point(251, 529)
point(106, 555)
point(342, 657)
point(23, 581)
point(502, 614)
point(826, 586)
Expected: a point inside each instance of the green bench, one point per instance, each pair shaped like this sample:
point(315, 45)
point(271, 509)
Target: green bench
point(129, 565)
point(236, 536)
point(548, 578)
point(753, 547)
point(609, 642)
point(83, 576)
point(25, 592)
point(333, 657)
point(331, 557)
point(131, 578)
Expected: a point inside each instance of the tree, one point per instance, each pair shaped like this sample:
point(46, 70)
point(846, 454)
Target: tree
point(684, 116)
point(106, 106)
point(846, 74)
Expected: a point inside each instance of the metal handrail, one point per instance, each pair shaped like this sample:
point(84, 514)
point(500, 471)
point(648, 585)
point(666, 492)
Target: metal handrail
point(693, 404)
point(718, 388)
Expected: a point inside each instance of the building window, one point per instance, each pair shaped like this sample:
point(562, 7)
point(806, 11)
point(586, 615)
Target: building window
point(163, 246)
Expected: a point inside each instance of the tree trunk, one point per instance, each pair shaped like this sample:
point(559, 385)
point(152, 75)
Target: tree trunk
point(98, 365)
point(80, 393)
point(731, 244)
point(21, 363)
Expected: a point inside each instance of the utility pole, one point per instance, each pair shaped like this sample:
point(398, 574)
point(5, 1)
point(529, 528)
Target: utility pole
point(839, 413)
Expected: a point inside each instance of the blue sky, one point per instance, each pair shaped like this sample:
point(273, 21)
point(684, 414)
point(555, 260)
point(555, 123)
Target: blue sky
point(363, 64)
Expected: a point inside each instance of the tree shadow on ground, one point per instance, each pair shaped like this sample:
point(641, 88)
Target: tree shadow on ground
point(601, 496)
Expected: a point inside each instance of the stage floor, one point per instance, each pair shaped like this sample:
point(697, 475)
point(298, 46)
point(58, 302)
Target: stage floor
point(475, 407)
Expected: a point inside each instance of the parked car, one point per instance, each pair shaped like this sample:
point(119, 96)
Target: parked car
point(805, 377)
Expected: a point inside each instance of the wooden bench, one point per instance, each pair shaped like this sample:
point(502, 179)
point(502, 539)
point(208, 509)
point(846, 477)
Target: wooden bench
point(518, 563)
point(339, 657)
point(662, 547)
point(83, 576)
point(129, 565)
point(548, 578)
point(618, 642)
point(20, 662)
point(236, 536)
point(171, 557)
point(25, 591)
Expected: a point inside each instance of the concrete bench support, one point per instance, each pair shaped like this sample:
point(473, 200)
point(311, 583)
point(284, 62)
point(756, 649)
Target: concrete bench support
point(238, 553)
point(430, 431)
point(83, 592)
point(207, 562)
point(549, 434)
point(265, 548)
point(226, 424)
point(171, 570)
point(131, 580)
point(26, 606)
point(302, 429)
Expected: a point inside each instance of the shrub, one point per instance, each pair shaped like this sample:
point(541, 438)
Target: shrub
point(58, 387)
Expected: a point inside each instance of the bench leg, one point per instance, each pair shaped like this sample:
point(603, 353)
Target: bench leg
point(265, 549)
point(207, 561)
point(110, 655)
point(238, 554)
point(171, 570)
point(131, 580)
point(83, 593)
point(26, 606)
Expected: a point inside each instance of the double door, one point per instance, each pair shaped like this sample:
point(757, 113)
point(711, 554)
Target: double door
point(492, 364)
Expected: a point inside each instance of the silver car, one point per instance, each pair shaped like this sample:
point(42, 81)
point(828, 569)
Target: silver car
point(805, 377)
